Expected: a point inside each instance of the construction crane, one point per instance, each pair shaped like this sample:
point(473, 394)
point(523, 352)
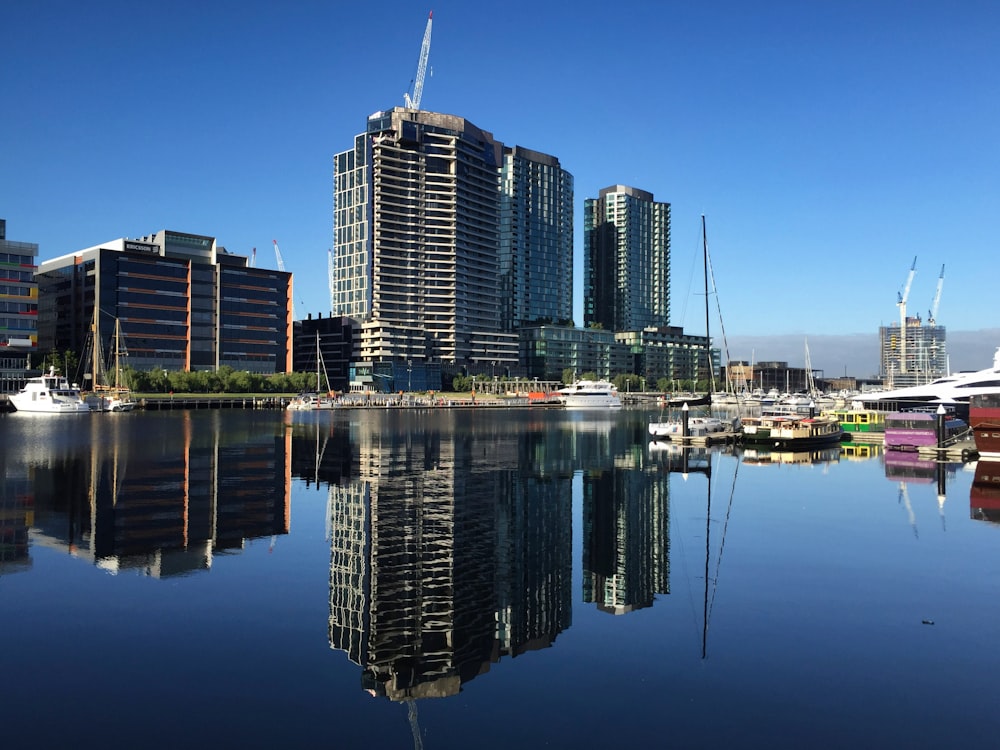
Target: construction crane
point(277, 254)
point(281, 267)
point(902, 315)
point(932, 315)
point(418, 82)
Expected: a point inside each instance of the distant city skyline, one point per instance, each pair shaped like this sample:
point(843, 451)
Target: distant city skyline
point(826, 145)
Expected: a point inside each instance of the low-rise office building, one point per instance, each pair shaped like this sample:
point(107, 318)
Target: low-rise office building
point(183, 303)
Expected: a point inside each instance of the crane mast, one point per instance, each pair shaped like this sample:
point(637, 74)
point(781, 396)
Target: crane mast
point(932, 315)
point(418, 82)
point(902, 315)
point(277, 254)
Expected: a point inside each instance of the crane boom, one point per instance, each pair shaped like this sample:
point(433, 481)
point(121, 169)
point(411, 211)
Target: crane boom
point(277, 254)
point(902, 315)
point(932, 315)
point(418, 82)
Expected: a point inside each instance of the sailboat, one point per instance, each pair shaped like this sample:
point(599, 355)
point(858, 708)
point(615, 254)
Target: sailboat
point(318, 400)
point(685, 425)
point(109, 390)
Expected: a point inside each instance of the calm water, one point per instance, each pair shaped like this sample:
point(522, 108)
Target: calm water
point(455, 579)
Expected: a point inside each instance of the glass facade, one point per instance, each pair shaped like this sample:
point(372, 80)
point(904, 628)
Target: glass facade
point(18, 309)
point(182, 303)
point(536, 240)
point(626, 260)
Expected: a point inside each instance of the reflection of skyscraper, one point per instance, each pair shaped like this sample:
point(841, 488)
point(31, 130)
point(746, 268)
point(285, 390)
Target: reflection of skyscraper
point(443, 561)
point(534, 528)
point(626, 543)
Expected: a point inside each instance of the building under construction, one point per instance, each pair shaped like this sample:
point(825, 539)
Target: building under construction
point(911, 353)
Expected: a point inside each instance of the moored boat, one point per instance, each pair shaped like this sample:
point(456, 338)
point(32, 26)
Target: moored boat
point(858, 420)
point(49, 394)
point(696, 427)
point(952, 391)
point(984, 419)
point(913, 430)
point(589, 394)
point(785, 431)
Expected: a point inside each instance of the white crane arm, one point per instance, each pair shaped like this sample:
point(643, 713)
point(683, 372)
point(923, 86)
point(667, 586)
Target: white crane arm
point(418, 82)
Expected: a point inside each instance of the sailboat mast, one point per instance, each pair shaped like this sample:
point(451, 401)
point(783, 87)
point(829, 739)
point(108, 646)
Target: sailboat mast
point(118, 356)
point(708, 353)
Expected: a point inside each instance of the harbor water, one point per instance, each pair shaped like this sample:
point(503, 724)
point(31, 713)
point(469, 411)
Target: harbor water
point(490, 578)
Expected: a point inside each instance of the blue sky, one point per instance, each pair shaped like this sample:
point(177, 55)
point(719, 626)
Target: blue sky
point(827, 143)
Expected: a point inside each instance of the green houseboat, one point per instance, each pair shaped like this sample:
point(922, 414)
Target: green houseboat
point(859, 420)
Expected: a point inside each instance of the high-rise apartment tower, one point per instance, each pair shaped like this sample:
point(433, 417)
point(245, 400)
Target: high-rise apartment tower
point(626, 260)
point(417, 241)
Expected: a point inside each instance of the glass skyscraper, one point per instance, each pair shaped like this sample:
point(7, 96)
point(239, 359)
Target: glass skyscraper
point(536, 240)
point(626, 260)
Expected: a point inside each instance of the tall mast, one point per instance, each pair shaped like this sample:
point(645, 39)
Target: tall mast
point(708, 341)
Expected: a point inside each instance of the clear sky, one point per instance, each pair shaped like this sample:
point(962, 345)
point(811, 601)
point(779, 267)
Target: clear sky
point(827, 143)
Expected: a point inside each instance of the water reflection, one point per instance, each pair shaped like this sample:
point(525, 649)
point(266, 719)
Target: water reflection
point(450, 546)
point(984, 496)
point(159, 496)
point(911, 468)
point(773, 456)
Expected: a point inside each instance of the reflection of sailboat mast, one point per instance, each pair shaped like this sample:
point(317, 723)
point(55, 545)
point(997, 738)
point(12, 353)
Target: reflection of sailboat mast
point(708, 549)
point(710, 603)
point(411, 713)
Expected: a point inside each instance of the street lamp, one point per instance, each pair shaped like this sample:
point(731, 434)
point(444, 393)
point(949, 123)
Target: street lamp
point(409, 375)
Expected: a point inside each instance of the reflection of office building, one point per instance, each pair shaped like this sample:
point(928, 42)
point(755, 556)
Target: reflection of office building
point(18, 309)
point(438, 570)
point(626, 540)
point(16, 515)
point(169, 512)
point(183, 302)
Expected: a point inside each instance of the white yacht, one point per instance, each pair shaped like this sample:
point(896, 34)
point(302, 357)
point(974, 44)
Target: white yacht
point(589, 394)
point(49, 394)
point(951, 391)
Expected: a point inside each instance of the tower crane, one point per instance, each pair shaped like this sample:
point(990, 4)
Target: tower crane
point(932, 315)
point(418, 82)
point(281, 267)
point(277, 254)
point(902, 315)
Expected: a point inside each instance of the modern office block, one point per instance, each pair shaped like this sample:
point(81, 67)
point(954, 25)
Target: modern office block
point(183, 303)
point(626, 260)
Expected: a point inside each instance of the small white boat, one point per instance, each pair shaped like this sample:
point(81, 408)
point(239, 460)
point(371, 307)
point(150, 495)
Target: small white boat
point(312, 402)
point(589, 394)
point(49, 394)
point(697, 427)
